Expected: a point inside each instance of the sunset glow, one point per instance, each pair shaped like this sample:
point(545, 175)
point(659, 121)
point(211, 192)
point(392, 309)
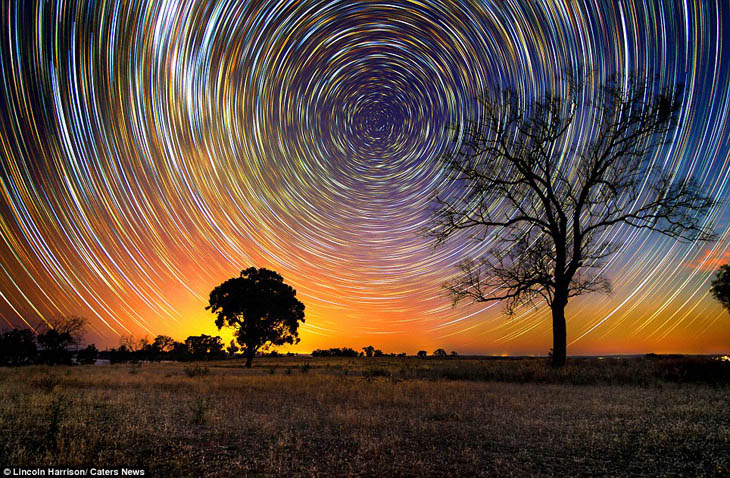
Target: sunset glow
point(151, 150)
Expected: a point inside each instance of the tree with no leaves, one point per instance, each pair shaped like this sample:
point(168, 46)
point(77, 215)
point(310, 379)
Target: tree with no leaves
point(720, 289)
point(58, 336)
point(73, 325)
point(262, 309)
point(546, 180)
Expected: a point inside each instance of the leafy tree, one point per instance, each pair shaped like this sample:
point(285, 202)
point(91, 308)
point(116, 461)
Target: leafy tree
point(720, 289)
point(422, 354)
point(546, 180)
point(55, 347)
point(335, 352)
point(439, 353)
point(87, 355)
point(378, 353)
point(163, 344)
point(454, 353)
point(17, 347)
point(204, 347)
point(180, 352)
point(263, 310)
point(116, 355)
point(369, 350)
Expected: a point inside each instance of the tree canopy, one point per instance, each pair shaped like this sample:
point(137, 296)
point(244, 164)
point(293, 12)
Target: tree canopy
point(721, 286)
point(263, 310)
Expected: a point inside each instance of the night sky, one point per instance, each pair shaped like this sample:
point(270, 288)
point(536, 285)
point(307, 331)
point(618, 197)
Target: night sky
point(151, 150)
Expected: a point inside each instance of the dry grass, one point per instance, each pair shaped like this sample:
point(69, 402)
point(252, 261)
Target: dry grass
point(377, 417)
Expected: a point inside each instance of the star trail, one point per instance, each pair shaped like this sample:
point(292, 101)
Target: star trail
point(152, 149)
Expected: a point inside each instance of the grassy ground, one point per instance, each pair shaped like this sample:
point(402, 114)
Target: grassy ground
point(377, 417)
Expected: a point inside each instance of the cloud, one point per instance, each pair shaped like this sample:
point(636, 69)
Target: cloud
point(710, 260)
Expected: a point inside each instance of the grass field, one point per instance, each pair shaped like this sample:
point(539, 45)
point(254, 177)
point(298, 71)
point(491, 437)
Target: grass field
point(374, 417)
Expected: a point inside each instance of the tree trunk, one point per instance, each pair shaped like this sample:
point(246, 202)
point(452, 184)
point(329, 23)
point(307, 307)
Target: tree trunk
point(250, 352)
point(559, 333)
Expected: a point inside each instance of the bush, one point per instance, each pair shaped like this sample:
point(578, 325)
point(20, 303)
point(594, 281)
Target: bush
point(199, 409)
point(48, 382)
point(56, 412)
point(375, 372)
point(196, 371)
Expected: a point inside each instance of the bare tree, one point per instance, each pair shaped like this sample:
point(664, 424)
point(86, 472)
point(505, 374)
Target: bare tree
point(545, 179)
point(58, 336)
point(73, 325)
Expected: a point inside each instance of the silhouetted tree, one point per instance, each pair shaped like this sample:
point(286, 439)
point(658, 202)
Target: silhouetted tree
point(163, 344)
point(335, 352)
point(17, 347)
point(422, 354)
point(116, 355)
point(261, 308)
point(55, 347)
point(180, 352)
point(439, 353)
point(204, 347)
point(720, 289)
point(369, 350)
point(73, 325)
point(377, 353)
point(454, 353)
point(547, 179)
point(87, 355)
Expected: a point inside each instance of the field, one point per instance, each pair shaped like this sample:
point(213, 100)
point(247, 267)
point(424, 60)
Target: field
point(372, 417)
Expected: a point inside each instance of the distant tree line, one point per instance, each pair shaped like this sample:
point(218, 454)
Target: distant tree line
point(371, 351)
point(60, 342)
point(368, 351)
point(56, 342)
point(336, 352)
point(62, 345)
point(195, 347)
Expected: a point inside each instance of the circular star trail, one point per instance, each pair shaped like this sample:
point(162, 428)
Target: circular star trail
point(151, 150)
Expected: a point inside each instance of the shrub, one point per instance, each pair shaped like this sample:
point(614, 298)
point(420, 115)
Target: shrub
point(199, 409)
point(196, 371)
point(375, 372)
point(48, 382)
point(56, 411)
